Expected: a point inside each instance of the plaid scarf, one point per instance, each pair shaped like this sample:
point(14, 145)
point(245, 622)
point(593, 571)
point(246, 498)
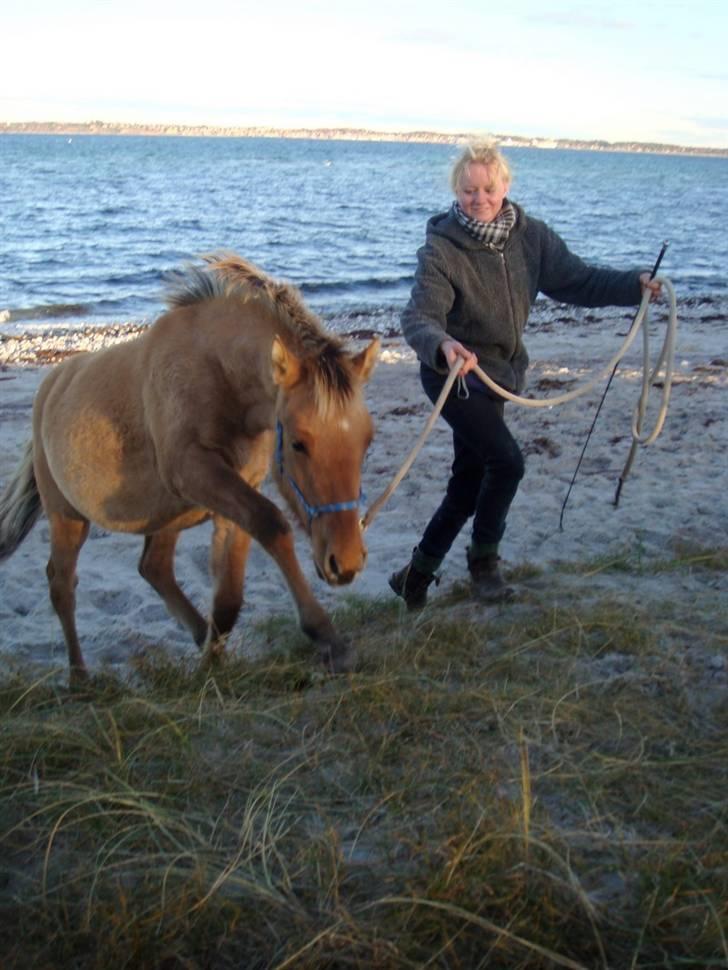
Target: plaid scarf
point(493, 233)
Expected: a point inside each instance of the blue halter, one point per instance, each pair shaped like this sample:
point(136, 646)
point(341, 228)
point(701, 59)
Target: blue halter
point(312, 511)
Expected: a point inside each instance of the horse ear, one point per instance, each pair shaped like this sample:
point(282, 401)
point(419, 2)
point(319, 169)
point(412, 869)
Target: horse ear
point(363, 362)
point(286, 366)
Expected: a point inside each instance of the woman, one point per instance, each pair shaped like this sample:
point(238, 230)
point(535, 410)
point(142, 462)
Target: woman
point(478, 274)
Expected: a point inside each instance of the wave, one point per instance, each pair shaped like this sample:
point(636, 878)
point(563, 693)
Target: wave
point(372, 284)
point(701, 309)
point(370, 301)
point(139, 279)
point(48, 311)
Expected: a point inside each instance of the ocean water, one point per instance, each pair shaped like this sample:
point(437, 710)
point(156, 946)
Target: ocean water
point(90, 225)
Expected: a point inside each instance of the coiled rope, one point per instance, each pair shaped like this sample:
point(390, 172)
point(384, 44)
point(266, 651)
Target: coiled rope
point(665, 360)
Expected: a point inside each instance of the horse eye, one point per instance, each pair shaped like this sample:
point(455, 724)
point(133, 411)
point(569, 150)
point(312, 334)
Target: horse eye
point(299, 447)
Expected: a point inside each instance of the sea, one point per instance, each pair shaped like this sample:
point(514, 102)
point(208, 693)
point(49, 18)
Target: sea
point(91, 226)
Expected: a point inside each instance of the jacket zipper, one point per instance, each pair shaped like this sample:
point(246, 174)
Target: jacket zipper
point(510, 301)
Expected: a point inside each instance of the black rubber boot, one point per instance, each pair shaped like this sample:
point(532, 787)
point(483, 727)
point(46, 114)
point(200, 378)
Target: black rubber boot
point(487, 581)
point(412, 585)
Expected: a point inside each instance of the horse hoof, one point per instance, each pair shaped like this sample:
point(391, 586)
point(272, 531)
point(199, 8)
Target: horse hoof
point(212, 658)
point(78, 678)
point(338, 657)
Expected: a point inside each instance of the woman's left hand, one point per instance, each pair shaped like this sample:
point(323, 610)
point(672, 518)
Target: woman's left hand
point(453, 350)
point(653, 285)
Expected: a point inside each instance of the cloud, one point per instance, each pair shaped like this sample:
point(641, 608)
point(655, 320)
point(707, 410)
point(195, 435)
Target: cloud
point(579, 18)
point(717, 124)
point(430, 37)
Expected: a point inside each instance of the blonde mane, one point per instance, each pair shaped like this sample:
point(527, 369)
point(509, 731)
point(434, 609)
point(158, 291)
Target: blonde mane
point(227, 275)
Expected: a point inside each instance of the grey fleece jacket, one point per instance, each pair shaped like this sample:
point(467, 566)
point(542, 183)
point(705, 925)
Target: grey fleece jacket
point(470, 291)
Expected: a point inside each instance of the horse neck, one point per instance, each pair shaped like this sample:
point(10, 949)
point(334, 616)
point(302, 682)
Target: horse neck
point(242, 349)
point(242, 339)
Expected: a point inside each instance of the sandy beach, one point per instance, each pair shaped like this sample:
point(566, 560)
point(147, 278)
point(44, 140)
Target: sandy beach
point(675, 498)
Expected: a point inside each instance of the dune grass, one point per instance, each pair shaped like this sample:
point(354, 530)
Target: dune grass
point(542, 785)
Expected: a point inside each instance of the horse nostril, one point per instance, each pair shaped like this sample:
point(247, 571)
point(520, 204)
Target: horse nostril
point(333, 565)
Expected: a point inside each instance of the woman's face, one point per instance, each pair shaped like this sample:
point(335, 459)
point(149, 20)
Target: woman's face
point(481, 191)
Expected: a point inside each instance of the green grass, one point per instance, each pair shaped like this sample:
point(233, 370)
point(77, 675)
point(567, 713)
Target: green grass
point(537, 786)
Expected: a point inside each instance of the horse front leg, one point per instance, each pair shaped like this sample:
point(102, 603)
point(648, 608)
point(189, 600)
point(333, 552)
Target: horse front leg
point(204, 479)
point(335, 652)
point(228, 556)
point(156, 565)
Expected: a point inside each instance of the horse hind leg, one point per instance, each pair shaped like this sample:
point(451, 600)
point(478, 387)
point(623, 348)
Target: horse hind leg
point(67, 536)
point(156, 565)
point(228, 558)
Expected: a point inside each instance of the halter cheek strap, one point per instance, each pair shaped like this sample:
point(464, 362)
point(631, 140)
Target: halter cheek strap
point(312, 511)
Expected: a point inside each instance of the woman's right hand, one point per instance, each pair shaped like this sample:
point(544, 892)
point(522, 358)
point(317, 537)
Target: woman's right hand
point(452, 350)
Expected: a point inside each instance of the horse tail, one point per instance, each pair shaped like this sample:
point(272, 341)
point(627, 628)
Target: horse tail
point(20, 505)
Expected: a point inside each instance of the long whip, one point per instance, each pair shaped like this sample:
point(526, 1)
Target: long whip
point(653, 274)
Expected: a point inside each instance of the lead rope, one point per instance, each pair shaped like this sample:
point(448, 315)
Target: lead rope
point(665, 359)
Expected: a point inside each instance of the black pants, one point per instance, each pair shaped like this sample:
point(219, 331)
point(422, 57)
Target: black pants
point(486, 470)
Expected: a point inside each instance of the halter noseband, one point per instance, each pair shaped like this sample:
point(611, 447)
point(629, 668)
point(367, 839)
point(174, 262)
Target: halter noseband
point(312, 511)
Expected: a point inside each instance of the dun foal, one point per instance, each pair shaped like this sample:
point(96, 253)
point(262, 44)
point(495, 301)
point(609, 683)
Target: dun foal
point(181, 425)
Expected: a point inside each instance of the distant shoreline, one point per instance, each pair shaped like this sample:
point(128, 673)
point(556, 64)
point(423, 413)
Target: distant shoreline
point(342, 134)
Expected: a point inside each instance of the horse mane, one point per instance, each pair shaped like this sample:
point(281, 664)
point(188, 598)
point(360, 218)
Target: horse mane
point(229, 275)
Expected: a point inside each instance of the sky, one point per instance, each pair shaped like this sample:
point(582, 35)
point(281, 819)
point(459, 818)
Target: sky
point(622, 70)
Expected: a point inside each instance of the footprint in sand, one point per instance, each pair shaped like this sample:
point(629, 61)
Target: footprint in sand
point(153, 613)
point(199, 556)
point(114, 601)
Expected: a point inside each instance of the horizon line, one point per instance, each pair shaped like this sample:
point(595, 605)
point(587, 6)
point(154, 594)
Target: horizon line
point(344, 132)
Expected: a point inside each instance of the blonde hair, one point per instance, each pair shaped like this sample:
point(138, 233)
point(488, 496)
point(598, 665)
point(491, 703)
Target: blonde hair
point(482, 151)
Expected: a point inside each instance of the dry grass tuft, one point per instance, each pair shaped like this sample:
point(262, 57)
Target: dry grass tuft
point(538, 786)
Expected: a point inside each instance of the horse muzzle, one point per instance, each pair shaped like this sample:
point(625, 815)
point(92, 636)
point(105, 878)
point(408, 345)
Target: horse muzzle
point(340, 557)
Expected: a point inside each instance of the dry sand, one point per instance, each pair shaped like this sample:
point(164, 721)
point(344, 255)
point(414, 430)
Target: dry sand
point(676, 496)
